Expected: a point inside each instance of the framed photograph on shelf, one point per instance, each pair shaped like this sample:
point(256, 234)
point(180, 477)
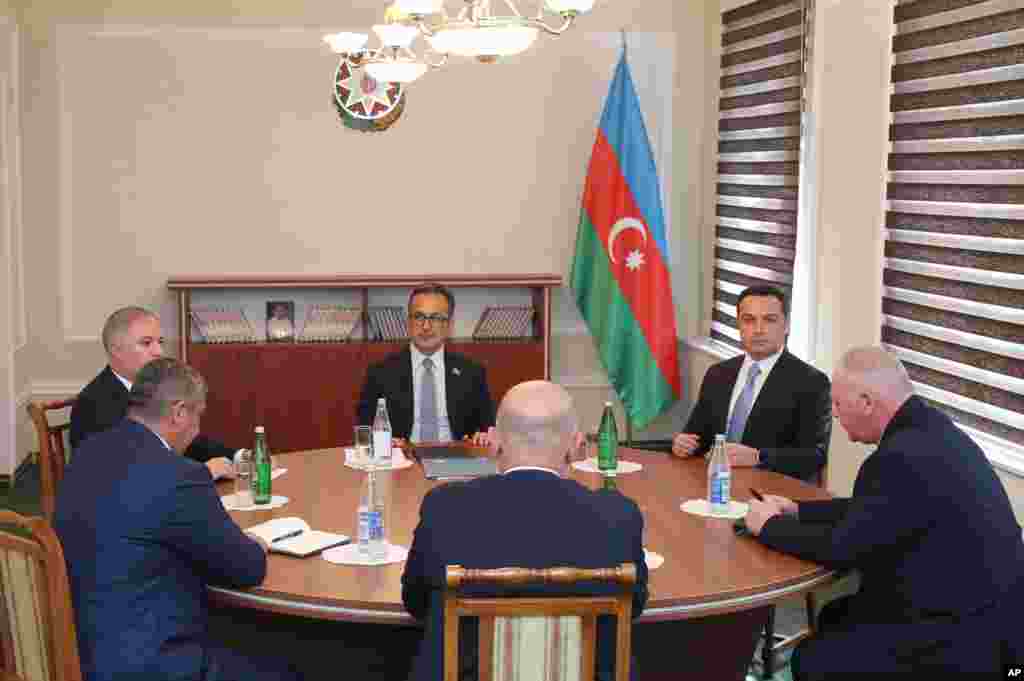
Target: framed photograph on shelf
point(280, 321)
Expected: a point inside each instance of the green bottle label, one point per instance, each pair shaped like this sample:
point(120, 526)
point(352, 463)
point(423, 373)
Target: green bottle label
point(261, 478)
point(607, 442)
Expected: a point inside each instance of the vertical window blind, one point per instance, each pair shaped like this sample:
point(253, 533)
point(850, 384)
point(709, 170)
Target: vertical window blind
point(953, 294)
point(761, 102)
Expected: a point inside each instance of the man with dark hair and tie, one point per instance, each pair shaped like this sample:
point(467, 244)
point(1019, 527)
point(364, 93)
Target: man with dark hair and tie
point(144, 533)
point(433, 395)
point(131, 338)
point(773, 407)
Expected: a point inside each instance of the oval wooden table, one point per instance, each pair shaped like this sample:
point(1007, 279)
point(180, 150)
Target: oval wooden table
point(708, 570)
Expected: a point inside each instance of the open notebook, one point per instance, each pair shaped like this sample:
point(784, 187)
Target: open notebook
point(294, 537)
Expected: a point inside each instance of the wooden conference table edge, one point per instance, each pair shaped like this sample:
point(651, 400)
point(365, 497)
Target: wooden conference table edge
point(810, 575)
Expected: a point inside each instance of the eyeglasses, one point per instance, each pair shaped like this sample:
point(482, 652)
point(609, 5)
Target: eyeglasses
point(434, 318)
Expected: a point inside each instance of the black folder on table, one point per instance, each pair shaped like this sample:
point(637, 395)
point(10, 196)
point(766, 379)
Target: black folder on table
point(458, 467)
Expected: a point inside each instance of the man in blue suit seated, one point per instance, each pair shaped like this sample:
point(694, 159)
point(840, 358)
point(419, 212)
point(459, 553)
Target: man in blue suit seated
point(929, 527)
point(144, 533)
point(529, 515)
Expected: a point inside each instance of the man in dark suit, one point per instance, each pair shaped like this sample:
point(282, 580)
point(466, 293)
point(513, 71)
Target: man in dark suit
point(132, 337)
point(929, 527)
point(432, 394)
point(773, 407)
point(144, 533)
point(529, 515)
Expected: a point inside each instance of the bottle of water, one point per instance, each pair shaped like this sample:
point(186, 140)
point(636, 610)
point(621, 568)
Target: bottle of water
point(382, 436)
point(243, 478)
point(719, 477)
point(608, 442)
point(261, 480)
point(371, 520)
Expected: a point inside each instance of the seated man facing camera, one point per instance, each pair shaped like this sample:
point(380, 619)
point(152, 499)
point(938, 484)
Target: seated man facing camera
point(433, 394)
point(773, 408)
point(530, 515)
point(132, 337)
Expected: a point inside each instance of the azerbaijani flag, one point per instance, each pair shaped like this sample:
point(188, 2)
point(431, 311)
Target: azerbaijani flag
point(620, 273)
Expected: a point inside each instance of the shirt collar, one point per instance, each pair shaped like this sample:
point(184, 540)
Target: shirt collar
point(418, 357)
point(124, 381)
point(765, 364)
point(532, 468)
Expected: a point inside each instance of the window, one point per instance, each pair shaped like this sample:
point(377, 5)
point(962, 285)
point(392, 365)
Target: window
point(762, 94)
point(953, 296)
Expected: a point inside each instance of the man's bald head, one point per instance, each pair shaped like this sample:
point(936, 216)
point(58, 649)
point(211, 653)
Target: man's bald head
point(868, 387)
point(536, 425)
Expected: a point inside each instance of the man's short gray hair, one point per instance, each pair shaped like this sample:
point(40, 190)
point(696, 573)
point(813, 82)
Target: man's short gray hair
point(877, 369)
point(119, 321)
point(160, 384)
point(539, 415)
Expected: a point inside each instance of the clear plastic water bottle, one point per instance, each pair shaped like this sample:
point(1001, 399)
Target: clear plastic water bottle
point(243, 479)
point(382, 436)
point(608, 442)
point(370, 518)
point(719, 477)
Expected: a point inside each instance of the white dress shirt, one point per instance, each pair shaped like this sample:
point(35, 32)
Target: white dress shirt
point(534, 468)
point(124, 381)
point(766, 365)
point(444, 428)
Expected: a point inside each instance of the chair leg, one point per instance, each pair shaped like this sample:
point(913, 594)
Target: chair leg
point(768, 646)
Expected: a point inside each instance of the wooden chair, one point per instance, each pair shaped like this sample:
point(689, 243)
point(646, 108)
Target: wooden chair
point(514, 628)
point(772, 643)
point(52, 454)
point(37, 623)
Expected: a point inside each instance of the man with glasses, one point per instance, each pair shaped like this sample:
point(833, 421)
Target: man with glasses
point(433, 395)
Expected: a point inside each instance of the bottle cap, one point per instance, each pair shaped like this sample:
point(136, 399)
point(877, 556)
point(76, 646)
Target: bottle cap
point(259, 429)
point(607, 404)
point(380, 400)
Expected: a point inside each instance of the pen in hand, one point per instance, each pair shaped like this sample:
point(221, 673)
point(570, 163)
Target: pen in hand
point(757, 495)
point(289, 535)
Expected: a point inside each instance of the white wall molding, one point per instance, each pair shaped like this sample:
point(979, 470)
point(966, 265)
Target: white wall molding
point(52, 390)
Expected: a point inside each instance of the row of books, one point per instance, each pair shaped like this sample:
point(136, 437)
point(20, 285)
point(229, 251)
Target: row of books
point(338, 323)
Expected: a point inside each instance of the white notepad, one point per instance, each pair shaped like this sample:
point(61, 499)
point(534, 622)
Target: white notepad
point(295, 537)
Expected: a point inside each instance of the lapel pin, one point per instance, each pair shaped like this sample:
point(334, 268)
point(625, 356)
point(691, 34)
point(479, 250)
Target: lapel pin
point(456, 372)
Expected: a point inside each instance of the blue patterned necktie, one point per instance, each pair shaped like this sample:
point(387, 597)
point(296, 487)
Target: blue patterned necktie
point(428, 403)
point(740, 412)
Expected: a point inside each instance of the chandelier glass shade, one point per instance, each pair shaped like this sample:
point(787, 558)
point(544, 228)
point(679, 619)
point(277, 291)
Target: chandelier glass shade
point(476, 30)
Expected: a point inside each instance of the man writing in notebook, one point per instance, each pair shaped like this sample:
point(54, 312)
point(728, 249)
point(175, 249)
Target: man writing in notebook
point(433, 394)
point(144, 533)
point(530, 515)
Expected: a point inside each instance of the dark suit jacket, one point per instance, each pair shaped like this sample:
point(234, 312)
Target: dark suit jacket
point(103, 404)
point(790, 422)
point(144, 532)
point(467, 397)
point(525, 518)
point(929, 525)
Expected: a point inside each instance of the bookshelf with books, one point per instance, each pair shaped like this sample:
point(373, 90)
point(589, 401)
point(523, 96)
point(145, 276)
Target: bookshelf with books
point(291, 352)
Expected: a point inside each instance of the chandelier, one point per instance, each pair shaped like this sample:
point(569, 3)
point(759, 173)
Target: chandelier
point(477, 30)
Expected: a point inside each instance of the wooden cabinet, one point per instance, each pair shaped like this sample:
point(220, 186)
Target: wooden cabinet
point(306, 393)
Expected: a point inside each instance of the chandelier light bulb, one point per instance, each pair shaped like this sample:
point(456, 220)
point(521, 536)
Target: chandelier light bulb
point(419, 7)
point(399, 70)
point(570, 6)
point(346, 43)
point(396, 35)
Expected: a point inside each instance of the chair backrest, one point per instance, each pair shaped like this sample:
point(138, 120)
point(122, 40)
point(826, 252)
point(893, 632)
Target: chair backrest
point(521, 636)
point(52, 454)
point(37, 624)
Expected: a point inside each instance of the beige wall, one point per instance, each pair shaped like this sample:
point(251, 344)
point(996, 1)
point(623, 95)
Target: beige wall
point(193, 138)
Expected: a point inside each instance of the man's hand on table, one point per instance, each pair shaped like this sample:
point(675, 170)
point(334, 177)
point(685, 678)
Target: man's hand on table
point(761, 511)
point(481, 439)
point(742, 456)
point(685, 444)
point(220, 468)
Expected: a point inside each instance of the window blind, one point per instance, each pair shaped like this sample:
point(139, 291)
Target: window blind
point(761, 101)
point(953, 295)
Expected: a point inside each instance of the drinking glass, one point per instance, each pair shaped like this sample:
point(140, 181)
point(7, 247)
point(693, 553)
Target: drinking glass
point(243, 478)
point(363, 447)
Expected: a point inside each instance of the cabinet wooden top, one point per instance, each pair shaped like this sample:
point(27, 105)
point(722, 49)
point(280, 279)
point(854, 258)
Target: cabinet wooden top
point(362, 280)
